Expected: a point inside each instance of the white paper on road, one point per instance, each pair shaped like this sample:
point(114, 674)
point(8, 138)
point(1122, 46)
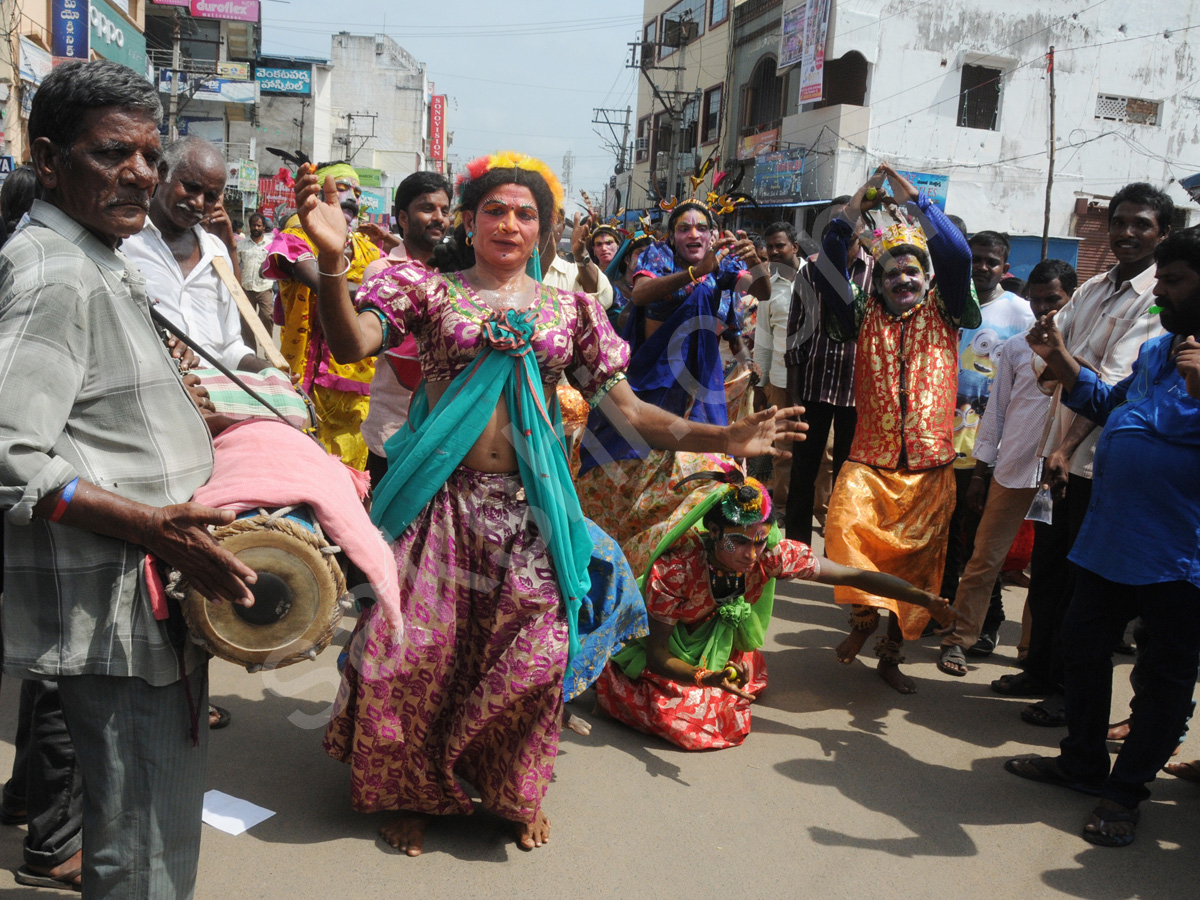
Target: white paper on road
point(230, 814)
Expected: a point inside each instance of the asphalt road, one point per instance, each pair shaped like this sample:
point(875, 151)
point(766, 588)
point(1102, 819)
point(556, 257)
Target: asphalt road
point(844, 789)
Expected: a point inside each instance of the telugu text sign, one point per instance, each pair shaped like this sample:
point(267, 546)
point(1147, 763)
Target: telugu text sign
point(292, 82)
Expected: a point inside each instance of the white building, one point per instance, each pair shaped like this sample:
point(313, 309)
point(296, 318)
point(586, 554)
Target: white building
point(959, 90)
point(379, 96)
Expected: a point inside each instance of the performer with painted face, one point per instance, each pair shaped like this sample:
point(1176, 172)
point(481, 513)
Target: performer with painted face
point(339, 390)
point(674, 333)
point(892, 503)
point(492, 548)
point(709, 591)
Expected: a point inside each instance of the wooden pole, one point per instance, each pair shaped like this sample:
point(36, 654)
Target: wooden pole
point(1050, 173)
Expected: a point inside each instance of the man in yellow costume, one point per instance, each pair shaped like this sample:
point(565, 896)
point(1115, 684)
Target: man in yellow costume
point(340, 392)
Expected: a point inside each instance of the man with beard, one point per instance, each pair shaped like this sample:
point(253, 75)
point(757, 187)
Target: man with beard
point(421, 210)
point(1135, 554)
point(176, 253)
point(340, 392)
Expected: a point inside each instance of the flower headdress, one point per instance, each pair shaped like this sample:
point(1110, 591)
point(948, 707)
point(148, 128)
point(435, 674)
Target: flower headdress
point(643, 235)
point(510, 159)
point(744, 501)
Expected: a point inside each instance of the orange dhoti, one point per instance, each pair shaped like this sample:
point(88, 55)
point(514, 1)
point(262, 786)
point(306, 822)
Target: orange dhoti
point(893, 521)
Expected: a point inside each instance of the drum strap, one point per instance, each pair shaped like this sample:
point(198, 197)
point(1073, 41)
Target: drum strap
point(164, 322)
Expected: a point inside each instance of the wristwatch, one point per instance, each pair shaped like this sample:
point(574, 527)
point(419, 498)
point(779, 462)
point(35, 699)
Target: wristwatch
point(584, 260)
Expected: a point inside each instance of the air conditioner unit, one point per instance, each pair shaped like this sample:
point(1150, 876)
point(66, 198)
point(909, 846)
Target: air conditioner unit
point(641, 145)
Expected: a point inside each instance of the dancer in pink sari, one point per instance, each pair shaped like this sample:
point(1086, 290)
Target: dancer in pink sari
point(486, 527)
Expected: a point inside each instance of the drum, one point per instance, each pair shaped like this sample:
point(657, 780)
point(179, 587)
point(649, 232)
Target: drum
point(299, 597)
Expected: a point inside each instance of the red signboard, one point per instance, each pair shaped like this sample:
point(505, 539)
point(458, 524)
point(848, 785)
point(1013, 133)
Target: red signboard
point(437, 130)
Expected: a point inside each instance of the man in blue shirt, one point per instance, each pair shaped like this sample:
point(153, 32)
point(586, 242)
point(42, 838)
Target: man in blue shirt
point(1138, 552)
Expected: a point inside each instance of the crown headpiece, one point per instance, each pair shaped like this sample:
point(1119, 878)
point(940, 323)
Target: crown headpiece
point(716, 204)
point(902, 231)
point(744, 500)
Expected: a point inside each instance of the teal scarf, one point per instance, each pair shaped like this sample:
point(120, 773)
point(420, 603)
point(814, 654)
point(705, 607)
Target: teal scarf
point(423, 454)
point(736, 625)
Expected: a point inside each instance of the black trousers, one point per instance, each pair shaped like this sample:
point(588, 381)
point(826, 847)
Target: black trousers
point(806, 462)
point(46, 782)
point(1094, 622)
point(1052, 581)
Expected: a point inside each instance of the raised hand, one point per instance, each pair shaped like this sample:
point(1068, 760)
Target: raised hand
point(320, 212)
point(1187, 362)
point(756, 434)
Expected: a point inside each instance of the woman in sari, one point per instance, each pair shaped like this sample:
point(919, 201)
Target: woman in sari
point(710, 590)
point(674, 333)
point(491, 546)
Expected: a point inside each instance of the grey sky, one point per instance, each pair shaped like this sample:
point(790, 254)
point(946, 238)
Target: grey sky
point(526, 79)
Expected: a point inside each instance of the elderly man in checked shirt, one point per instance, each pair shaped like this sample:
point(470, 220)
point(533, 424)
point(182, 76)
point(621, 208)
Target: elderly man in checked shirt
point(100, 450)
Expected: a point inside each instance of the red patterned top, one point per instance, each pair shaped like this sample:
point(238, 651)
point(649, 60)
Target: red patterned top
point(905, 384)
point(678, 589)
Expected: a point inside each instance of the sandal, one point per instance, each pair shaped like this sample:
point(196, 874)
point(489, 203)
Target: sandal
point(1020, 684)
point(1044, 770)
point(1107, 816)
point(1050, 713)
point(1188, 771)
point(67, 881)
point(952, 661)
point(985, 646)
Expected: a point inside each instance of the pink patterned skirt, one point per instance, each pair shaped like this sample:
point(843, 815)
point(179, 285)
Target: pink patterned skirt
point(692, 717)
point(475, 689)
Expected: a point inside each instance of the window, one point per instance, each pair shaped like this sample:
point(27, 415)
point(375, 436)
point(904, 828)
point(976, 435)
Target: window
point(710, 124)
point(845, 81)
point(1128, 109)
point(660, 137)
point(720, 12)
point(682, 24)
point(649, 36)
point(762, 97)
point(979, 98)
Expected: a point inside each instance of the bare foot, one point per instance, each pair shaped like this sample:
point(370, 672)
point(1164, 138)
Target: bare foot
point(890, 672)
point(406, 832)
point(578, 725)
point(68, 873)
point(848, 649)
point(1118, 731)
point(533, 834)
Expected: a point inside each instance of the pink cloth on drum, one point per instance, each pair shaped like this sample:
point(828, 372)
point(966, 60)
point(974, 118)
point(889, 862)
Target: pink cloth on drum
point(263, 462)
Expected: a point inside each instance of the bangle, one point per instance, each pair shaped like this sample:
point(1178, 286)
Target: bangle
point(64, 499)
point(692, 275)
point(699, 675)
point(334, 274)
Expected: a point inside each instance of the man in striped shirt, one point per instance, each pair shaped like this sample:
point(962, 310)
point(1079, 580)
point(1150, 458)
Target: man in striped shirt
point(100, 450)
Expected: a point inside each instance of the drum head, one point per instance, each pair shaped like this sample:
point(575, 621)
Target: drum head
point(295, 609)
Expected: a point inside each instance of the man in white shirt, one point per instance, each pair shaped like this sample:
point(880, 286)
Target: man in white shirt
point(176, 254)
point(1007, 466)
point(771, 333)
point(260, 291)
point(1103, 326)
point(581, 275)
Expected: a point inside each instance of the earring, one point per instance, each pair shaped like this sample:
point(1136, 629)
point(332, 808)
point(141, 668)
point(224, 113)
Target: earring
point(470, 238)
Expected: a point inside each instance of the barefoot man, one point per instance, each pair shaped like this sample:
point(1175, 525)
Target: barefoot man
point(892, 503)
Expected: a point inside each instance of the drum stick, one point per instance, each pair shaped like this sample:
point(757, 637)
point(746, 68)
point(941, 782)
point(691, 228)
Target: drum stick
point(274, 357)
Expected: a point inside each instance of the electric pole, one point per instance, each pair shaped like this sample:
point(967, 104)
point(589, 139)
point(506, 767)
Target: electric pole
point(1050, 175)
point(618, 146)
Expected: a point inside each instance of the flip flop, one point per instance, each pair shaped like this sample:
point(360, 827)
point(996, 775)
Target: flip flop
point(1108, 816)
point(222, 717)
point(1039, 714)
point(1044, 770)
point(1188, 771)
point(63, 882)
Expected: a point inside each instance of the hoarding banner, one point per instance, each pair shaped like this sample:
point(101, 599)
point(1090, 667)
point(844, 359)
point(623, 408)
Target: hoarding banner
point(115, 39)
point(934, 186)
point(437, 127)
point(758, 144)
point(791, 41)
point(69, 29)
point(777, 176)
point(36, 63)
point(812, 67)
point(292, 82)
point(232, 10)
